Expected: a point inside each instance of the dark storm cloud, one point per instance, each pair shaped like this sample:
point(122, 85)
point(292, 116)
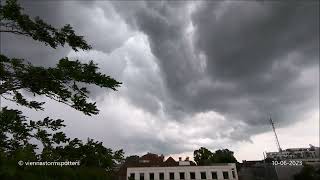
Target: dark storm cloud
point(26, 47)
point(255, 53)
point(249, 37)
point(100, 25)
point(246, 45)
point(112, 50)
point(165, 24)
point(194, 73)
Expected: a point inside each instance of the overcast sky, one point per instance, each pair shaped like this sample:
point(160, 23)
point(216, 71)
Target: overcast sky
point(194, 73)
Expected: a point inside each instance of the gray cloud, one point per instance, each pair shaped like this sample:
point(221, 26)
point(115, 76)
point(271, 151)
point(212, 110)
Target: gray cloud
point(194, 73)
point(261, 48)
point(254, 54)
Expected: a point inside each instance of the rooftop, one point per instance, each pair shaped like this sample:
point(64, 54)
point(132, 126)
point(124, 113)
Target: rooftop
point(154, 160)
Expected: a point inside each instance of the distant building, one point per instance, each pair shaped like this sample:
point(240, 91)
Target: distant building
point(154, 167)
point(266, 170)
point(311, 154)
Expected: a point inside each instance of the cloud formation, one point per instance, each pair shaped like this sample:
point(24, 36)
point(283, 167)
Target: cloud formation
point(195, 73)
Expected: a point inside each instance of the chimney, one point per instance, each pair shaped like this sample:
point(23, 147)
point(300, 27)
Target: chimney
point(162, 157)
point(185, 162)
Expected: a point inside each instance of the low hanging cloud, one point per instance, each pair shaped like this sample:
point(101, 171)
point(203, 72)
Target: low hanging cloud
point(195, 73)
point(245, 59)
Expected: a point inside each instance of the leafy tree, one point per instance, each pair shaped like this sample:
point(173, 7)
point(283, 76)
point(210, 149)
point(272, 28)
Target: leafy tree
point(60, 83)
point(223, 156)
point(16, 132)
point(203, 156)
point(132, 159)
point(14, 21)
point(65, 83)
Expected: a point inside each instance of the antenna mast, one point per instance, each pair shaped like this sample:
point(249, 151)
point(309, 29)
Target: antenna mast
point(275, 134)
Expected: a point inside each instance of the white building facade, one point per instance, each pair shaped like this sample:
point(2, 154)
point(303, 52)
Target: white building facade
point(312, 153)
point(223, 171)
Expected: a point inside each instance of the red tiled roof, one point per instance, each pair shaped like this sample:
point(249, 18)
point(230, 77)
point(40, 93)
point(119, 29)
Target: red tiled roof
point(152, 158)
point(170, 162)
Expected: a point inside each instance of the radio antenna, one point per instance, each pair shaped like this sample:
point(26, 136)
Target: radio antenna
point(275, 134)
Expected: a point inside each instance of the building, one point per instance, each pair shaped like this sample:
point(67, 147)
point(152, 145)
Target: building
point(267, 170)
point(305, 154)
point(154, 167)
point(184, 172)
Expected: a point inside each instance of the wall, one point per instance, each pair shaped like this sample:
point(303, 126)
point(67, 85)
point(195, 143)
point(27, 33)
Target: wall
point(186, 170)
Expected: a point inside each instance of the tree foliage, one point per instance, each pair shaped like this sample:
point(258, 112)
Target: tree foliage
point(204, 156)
point(66, 83)
point(17, 133)
point(132, 159)
point(61, 83)
point(14, 21)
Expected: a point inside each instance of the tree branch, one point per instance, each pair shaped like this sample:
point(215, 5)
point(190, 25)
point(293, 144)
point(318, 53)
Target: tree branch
point(14, 32)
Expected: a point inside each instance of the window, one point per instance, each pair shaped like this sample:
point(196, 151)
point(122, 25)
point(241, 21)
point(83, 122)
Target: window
point(151, 176)
point(192, 175)
point(141, 176)
point(161, 176)
point(214, 175)
point(233, 174)
point(225, 175)
point(182, 175)
point(203, 175)
point(171, 176)
point(132, 176)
